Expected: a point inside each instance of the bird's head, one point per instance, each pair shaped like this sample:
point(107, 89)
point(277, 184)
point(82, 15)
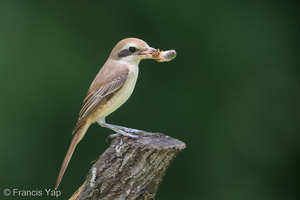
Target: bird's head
point(132, 50)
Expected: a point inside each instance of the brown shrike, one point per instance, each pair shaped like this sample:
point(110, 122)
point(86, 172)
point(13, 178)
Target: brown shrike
point(111, 87)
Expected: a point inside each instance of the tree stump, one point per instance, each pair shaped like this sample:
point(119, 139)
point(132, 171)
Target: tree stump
point(131, 168)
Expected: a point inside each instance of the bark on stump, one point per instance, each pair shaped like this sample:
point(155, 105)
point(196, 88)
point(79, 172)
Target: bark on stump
point(131, 168)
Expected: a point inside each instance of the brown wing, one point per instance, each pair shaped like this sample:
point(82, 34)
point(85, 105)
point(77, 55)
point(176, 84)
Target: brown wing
point(97, 98)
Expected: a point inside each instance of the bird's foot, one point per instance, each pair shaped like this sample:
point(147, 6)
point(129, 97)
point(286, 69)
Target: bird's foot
point(128, 130)
point(120, 130)
point(122, 134)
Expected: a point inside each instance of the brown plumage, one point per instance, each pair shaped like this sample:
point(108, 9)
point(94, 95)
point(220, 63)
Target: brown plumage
point(111, 87)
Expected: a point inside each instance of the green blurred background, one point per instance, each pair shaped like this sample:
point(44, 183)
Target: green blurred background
point(232, 94)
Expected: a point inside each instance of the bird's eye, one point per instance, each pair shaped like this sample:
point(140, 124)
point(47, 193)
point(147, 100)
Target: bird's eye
point(132, 49)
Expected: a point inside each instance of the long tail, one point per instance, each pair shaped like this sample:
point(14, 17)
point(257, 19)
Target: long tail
point(78, 135)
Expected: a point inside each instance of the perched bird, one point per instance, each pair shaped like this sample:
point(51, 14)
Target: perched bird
point(111, 87)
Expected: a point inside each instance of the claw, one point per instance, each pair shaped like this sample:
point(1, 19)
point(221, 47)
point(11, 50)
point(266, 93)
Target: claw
point(121, 134)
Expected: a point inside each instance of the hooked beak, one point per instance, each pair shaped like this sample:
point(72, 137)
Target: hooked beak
point(147, 54)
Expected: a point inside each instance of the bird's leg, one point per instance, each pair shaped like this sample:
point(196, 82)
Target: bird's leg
point(128, 130)
point(119, 130)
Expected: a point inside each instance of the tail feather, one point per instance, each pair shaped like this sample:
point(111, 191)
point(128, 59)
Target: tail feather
point(78, 135)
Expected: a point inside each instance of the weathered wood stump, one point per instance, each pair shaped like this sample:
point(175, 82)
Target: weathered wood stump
point(131, 168)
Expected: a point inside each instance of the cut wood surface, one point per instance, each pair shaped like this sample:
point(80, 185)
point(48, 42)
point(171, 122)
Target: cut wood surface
point(131, 168)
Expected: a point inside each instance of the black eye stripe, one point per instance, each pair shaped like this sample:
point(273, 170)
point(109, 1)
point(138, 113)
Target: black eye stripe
point(127, 52)
point(124, 53)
